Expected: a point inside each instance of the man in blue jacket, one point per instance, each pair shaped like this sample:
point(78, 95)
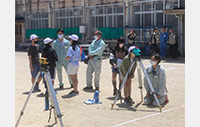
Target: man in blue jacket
point(94, 64)
point(163, 42)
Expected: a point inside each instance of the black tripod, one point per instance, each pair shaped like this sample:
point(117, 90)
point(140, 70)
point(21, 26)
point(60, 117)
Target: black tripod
point(54, 102)
point(138, 60)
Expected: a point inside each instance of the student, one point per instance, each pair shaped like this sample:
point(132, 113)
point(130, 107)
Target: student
point(73, 55)
point(126, 63)
point(173, 42)
point(61, 46)
point(154, 42)
point(34, 64)
point(131, 38)
point(163, 42)
point(51, 56)
point(95, 49)
point(116, 56)
point(157, 76)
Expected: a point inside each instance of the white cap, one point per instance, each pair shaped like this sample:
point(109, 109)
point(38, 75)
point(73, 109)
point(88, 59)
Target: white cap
point(131, 48)
point(33, 36)
point(47, 40)
point(74, 37)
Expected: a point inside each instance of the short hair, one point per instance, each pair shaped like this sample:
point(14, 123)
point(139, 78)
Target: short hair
point(157, 57)
point(164, 27)
point(60, 30)
point(155, 28)
point(99, 32)
point(121, 40)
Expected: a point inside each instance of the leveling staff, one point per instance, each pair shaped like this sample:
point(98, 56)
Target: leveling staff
point(33, 56)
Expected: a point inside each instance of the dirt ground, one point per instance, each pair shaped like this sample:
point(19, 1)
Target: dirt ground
point(77, 114)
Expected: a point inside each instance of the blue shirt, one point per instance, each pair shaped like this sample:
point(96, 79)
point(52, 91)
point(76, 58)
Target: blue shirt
point(96, 48)
point(75, 55)
point(163, 37)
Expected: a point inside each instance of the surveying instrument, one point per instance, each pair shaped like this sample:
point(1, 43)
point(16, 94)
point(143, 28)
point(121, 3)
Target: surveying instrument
point(54, 102)
point(136, 51)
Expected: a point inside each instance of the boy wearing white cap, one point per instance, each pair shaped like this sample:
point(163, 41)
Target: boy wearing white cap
point(73, 55)
point(33, 56)
point(51, 56)
point(126, 63)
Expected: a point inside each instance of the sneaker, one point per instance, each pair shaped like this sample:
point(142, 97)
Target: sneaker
point(88, 88)
point(73, 93)
point(61, 87)
point(129, 101)
point(36, 89)
point(97, 89)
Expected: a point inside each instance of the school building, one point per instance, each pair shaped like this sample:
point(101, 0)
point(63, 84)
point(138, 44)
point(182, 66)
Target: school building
point(113, 17)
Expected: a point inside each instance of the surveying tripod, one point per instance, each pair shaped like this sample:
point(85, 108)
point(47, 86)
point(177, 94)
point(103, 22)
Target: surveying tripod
point(139, 66)
point(54, 102)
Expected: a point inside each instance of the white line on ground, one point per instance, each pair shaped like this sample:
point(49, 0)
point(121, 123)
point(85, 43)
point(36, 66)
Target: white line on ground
point(151, 115)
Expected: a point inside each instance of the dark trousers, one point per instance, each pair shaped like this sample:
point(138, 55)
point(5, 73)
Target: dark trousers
point(174, 51)
point(155, 49)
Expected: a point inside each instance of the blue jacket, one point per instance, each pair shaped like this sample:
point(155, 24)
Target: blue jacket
point(96, 48)
point(61, 48)
point(163, 37)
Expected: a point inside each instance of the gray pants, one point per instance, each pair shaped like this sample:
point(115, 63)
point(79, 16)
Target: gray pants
point(59, 66)
point(151, 100)
point(93, 66)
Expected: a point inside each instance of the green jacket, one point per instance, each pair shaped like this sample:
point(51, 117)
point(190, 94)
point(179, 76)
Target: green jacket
point(126, 63)
point(61, 48)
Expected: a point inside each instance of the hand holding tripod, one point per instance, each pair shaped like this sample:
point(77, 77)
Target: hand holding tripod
point(54, 102)
point(139, 66)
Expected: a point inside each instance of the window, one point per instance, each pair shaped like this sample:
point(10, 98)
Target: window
point(159, 19)
point(147, 18)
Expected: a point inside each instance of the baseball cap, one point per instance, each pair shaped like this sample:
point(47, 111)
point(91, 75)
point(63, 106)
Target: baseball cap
point(131, 48)
point(33, 36)
point(74, 37)
point(47, 40)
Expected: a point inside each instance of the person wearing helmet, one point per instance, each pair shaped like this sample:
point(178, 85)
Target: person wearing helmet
point(73, 55)
point(52, 57)
point(124, 67)
point(33, 56)
point(157, 76)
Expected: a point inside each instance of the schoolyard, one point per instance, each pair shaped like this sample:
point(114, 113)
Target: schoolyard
point(77, 114)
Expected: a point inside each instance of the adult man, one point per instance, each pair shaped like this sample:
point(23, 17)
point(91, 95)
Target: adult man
point(154, 41)
point(173, 42)
point(163, 42)
point(157, 76)
point(33, 56)
point(131, 38)
point(61, 46)
point(95, 52)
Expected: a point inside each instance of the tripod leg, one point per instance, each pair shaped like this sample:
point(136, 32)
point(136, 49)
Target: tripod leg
point(53, 97)
point(150, 85)
point(27, 99)
point(140, 81)
point(112, 105)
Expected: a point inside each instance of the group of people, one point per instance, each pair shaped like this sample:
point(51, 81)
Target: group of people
point(158, 42)
point(66, 53)
point(121, 57)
